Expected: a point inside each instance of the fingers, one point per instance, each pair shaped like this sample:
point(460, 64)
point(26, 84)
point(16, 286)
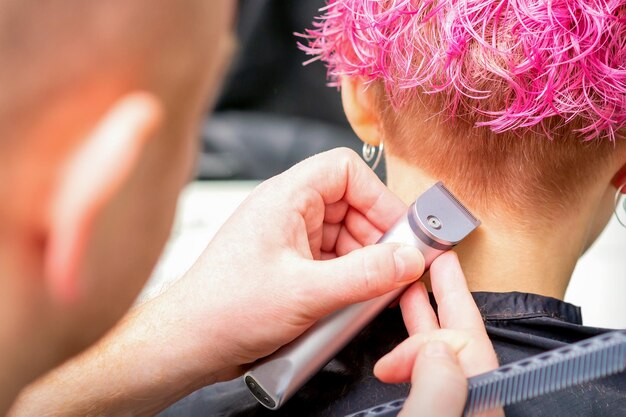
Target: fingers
point(457, 310)
point(341, 174)
point(418, 314)
point(356, 205)
point(456, 306)
point(439, 387)
point(330, 234)
point(361, 228)
point(361, 275)
point(396, 366)
point(354, 232)
point(336, 212)
point(346, 243)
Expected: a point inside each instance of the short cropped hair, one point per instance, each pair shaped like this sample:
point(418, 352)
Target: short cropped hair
point(541, 84)
point(54, 48)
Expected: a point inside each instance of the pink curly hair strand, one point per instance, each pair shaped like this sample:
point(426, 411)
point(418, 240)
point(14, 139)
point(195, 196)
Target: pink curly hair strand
point(515, 62)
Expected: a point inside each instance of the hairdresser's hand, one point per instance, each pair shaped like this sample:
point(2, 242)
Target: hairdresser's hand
point(292, 253)
point(442, 350)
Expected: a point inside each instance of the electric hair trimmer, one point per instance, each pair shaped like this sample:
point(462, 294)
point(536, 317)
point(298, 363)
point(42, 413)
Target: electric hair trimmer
point(434, 224)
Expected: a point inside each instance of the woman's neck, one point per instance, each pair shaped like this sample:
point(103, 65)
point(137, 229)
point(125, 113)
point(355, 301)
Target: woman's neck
point(500, 256)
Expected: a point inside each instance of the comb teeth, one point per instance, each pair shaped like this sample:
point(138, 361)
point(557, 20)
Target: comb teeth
point(548, 372)
point(532, 377)
point(458, 203)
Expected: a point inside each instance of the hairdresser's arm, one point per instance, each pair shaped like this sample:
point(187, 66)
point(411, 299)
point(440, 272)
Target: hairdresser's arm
point(292, 253)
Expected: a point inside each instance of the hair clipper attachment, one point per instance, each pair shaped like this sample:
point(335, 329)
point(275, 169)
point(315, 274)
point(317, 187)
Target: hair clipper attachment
point(434, 223)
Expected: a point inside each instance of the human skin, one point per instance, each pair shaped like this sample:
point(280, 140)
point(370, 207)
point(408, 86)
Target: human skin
point(154, 361)
point(443, 348)
point(502, 255)
point(271, 271)
point(79, 247)
point(496, 256)
point(93, 183)
point(79, 232)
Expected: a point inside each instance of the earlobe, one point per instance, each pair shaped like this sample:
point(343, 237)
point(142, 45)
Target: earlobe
point(89, 179)
point(620, 179)
point(359, 106)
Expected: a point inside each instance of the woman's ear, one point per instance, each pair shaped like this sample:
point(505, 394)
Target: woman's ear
point(90, 178)
point(620, 179)
point(360, 108)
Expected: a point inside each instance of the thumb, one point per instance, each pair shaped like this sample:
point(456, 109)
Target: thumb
point(366, 273)
point(439, 387)
point(395, 367)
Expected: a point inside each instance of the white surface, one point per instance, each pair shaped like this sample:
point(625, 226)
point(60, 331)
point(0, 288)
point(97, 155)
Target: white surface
point(202, 209)
point(598, 284)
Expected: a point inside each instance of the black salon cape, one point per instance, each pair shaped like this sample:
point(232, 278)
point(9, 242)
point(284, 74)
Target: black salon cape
point(519, 325)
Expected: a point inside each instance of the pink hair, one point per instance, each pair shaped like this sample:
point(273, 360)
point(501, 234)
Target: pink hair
point(535, 58)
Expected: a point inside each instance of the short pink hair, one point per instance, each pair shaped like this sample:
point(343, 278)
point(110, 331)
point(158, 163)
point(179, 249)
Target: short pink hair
point(516, 63)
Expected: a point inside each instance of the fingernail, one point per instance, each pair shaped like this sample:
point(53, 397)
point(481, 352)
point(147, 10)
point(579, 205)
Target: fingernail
point(437, 349)
point(409, 263)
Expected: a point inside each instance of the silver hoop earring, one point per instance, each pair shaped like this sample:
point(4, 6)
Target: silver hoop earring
point(373, 153)
point(620, 205)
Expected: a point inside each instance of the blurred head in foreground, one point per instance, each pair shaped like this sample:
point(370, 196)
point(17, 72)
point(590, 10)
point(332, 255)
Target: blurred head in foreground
point(98, 114)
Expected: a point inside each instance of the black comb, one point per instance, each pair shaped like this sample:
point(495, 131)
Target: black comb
point(532, 377)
